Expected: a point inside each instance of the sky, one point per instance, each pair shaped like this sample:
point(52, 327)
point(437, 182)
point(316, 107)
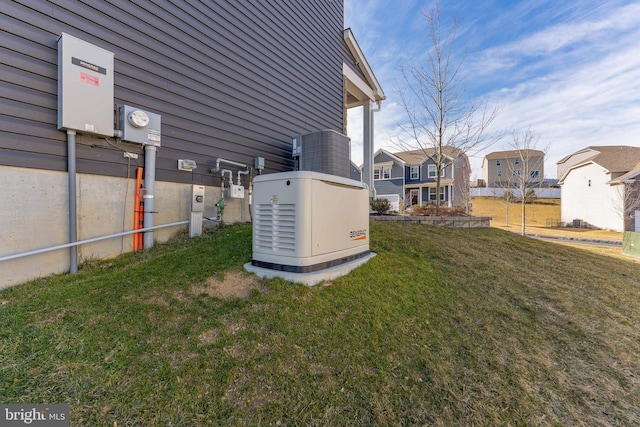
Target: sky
point(567, 70)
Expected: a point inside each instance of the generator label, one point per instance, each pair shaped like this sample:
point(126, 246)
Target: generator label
point(88, 65)
point(88, 78)
point(358, 235)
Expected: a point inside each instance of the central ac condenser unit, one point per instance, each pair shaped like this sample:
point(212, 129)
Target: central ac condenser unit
point(324, 151)
point(307, 221)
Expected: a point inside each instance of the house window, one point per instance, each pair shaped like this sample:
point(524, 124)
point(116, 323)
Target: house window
point(432, 193)
point(517, 161)
point(517, 172)
point(499, 172)
point(432, 172)
point(498, 162)
point(535, 174)
point(386, 173)
point(414, 172)
point(376, 173)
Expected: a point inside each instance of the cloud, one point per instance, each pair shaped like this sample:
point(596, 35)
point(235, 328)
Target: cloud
point(570, 70)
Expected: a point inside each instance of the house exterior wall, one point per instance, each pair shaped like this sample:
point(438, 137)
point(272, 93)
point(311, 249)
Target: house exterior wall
point(229, 79)
point(507, 165)
point(234, 80)
point(455, 176)
point(389, 186)
point(587, 196)
point(397, 169)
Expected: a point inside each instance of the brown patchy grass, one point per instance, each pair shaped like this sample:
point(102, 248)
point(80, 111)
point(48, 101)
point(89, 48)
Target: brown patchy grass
point(235, 284)
point(536, 218)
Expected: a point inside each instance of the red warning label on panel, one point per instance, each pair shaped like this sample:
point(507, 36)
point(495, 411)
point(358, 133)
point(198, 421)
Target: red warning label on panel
point(88, 78)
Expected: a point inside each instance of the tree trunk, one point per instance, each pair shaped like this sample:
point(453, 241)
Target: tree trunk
point(524, 206)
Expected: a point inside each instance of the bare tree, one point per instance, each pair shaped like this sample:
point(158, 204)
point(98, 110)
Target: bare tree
point(437, 114)
point(525, 168)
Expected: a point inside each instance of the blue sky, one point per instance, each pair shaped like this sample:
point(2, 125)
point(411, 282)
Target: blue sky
point(569, 70)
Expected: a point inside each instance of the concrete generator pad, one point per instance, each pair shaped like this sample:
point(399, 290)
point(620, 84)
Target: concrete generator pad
point(313, 278)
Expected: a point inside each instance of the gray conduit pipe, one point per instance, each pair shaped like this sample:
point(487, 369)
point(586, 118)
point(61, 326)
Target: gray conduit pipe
point(149, 186)
point(229, 162)
point(73, 224)
point(94, 239)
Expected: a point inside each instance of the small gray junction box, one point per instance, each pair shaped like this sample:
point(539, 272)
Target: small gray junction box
point(85, 87)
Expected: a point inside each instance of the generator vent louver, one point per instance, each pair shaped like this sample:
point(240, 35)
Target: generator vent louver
point(275, 226)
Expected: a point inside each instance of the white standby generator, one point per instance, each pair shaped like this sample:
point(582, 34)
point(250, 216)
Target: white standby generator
point(306, 221)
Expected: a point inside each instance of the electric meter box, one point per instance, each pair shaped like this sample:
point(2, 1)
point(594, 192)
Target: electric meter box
point(85, 87)
point(140, 126)
point(197, 198)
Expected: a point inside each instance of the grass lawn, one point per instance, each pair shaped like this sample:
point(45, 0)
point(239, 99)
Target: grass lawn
point(444, 327)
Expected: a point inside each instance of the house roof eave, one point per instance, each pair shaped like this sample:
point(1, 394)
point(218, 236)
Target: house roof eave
point(363, 65)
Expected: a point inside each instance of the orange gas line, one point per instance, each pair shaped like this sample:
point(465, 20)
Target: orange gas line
point(138, 212)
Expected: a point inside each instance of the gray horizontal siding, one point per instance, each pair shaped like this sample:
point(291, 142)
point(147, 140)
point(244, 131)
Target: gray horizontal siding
point(232, 79)
point(389, 186)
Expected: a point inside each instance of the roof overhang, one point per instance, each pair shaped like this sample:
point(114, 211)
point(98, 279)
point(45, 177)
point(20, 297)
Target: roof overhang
point(578, 166)
point(360, 89)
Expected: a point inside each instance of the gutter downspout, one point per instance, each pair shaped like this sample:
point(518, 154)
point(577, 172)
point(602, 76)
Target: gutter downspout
point(73, 217)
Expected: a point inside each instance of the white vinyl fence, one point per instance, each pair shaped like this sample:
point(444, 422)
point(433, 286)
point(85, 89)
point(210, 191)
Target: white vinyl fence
point(541, 193)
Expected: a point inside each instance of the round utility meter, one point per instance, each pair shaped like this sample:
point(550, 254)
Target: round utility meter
point(138, 118)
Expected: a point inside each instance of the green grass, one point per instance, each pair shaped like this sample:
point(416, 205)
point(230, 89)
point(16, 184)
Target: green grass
point(443, 327)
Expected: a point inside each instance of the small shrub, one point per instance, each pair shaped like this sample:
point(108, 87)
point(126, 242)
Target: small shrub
point(509, 196)
point(530, 196)
point(380, 206)
point(430, 210)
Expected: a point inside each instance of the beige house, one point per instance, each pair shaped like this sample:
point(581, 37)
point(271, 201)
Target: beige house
point(504, 168)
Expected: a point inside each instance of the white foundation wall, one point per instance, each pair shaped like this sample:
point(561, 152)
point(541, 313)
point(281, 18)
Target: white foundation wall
point(587, 196)
point(34, 214)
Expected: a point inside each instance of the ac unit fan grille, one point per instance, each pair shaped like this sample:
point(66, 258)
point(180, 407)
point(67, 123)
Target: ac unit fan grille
point(275, 227)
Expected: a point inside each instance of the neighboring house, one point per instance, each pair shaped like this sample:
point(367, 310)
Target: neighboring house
point(502, 169)
point(410, 176)
point(355, 172)
point(600, 187)
point(230, 80)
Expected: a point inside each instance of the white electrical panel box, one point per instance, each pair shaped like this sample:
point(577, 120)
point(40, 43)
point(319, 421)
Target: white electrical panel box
point(237, 191)
point(197, 198)
point(307, 221)
point(140, 126)
point(85, 87)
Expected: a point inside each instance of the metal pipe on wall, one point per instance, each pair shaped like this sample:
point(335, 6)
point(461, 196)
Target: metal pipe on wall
point(73, 219)
point(149, 185)
point(92, 240)
point(229, 162)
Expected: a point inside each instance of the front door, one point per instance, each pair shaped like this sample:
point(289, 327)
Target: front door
point(413, 196)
